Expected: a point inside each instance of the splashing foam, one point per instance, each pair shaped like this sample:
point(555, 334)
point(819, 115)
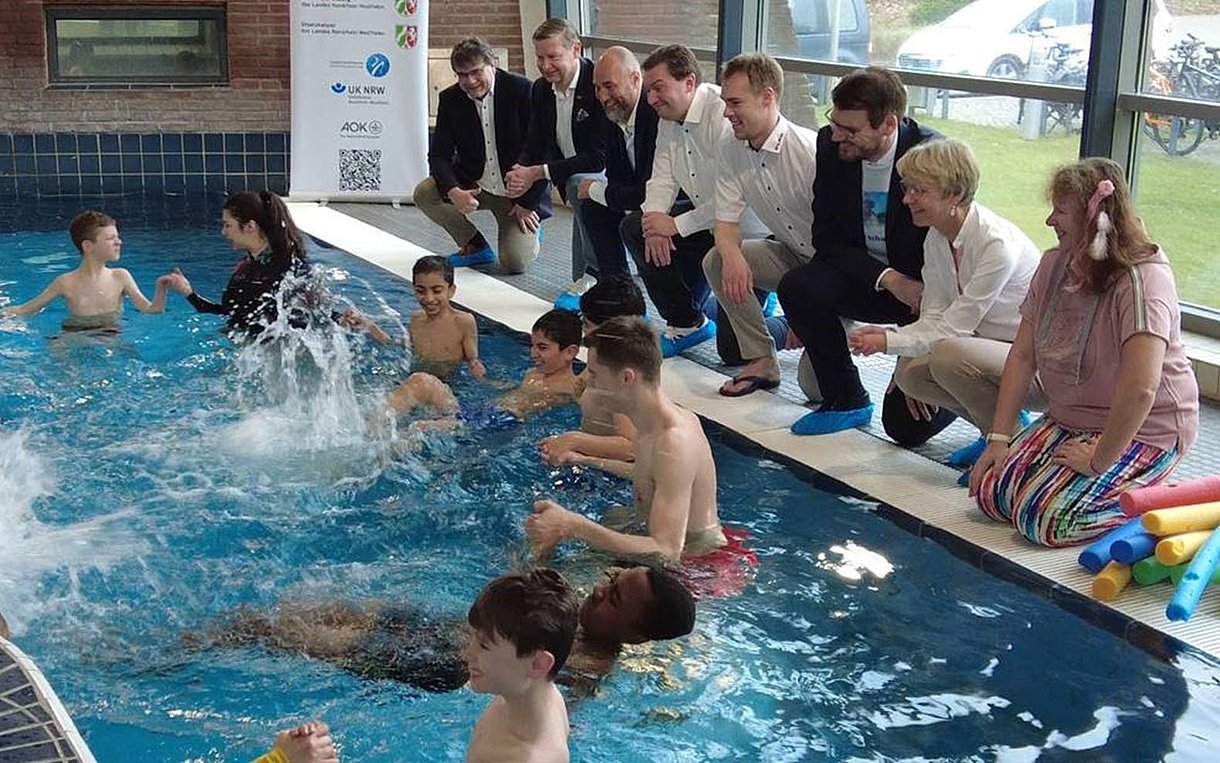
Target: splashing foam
point(29, 548)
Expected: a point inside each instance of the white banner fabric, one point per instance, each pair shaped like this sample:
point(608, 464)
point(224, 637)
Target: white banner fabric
point(359, 99)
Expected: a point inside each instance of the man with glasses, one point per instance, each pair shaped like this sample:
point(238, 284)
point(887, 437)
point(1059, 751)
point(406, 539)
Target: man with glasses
point(481, 125)
point(869, 255)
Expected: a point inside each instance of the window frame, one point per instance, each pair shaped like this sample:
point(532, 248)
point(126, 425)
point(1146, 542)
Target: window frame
point(201, 13)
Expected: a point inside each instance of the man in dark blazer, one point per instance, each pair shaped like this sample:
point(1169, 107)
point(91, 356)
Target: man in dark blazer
point(566, 142)
point(481, 126)
point(868, 255)
point(631, 138)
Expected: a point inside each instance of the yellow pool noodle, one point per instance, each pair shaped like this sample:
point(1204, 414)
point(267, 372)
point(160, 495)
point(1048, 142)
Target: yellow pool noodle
point(1111, 581)
point(1183, 519)
point(1180, 548)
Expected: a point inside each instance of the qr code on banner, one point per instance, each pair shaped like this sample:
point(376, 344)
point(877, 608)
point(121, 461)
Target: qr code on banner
point(359, 169)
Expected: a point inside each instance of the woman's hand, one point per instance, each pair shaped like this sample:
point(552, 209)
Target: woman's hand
point(1077, 455)
point(867, 340)
point(994, 456)
point(175, 281)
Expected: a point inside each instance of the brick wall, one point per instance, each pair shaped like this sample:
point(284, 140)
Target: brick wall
point(256, 98)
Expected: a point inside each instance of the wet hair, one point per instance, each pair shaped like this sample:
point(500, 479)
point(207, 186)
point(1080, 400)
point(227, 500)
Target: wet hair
point(557, 27)
point(873, 89)
point(471, 50)
point(561, 327)
point(270, 214)
point(432, 263)
point(84, 227)
point(762, 70)
point(673, 611)
point(948, 164)
point(678, 59)
point(1128, 242)
point(628, 342)
point(531, 610)
point(611, 297)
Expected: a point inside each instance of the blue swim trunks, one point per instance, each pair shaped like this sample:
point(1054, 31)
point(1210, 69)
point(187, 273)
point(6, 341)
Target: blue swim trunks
point(483, 417)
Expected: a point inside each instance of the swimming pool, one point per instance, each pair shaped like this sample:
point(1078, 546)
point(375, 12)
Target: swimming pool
point(146, 488)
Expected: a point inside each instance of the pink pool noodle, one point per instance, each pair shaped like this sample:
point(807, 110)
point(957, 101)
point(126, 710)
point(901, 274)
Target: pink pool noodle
point(1143, 499)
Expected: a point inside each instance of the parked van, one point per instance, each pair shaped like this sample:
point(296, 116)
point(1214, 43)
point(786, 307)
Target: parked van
point(812, 19)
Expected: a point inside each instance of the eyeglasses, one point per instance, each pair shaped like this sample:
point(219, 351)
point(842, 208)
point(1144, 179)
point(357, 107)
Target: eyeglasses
point(913, 189)
point(851, 132)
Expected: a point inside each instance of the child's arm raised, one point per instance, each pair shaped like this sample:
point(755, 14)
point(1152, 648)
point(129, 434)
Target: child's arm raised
point(470, 345)
point(138, 300)
point(49, 294)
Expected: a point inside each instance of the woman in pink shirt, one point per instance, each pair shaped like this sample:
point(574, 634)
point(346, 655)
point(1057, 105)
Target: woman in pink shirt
point(1101, 329)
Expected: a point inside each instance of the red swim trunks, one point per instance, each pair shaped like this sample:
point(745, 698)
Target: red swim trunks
point(723, 572)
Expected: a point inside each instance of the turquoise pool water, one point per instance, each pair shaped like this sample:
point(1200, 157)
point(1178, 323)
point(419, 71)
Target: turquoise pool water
point(153, 482)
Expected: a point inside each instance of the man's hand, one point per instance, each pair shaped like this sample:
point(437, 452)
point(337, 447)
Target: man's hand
point(907, 290)
point(919, 410)
point(465, 201)
point(582, 188)
point(867, 340)
point(527, 219)
point(657, 250)
point(546, 527)
point(736, 277)
point(519, 179)
point(658, 224)
point(558, 449)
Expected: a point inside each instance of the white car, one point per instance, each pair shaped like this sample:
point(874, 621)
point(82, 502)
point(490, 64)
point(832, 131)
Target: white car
point(997, 38)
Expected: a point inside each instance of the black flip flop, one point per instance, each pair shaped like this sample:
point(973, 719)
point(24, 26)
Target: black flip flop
point(753, 384)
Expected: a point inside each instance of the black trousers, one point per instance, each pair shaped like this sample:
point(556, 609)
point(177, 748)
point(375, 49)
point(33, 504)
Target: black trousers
point(679, 288)
point(602, 225)
point(815, 296)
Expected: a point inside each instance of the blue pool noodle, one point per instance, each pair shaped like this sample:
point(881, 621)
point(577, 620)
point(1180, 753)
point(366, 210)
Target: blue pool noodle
point(1131, 549)
point(1198, 575)
point(1097, 555)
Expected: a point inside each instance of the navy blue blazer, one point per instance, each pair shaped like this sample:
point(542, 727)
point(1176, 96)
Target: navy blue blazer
point(625, 186)
point(838, 214)
point(456, 156)
point(588, 131)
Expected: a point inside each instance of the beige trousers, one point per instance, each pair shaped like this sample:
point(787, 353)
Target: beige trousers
point(768, 261)
point(515, 248)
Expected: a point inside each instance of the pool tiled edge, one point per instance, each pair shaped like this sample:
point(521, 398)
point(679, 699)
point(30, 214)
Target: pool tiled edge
point(916, 493)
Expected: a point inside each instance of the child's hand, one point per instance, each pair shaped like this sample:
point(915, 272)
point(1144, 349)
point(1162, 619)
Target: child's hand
point(175, 281)
point(557, 449)
point(477, 369)
point(546, 527)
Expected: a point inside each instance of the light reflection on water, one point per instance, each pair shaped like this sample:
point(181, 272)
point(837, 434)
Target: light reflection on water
point(164, 478)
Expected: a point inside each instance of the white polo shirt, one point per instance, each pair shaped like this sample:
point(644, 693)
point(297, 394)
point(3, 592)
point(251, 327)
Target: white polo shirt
point(687, 157)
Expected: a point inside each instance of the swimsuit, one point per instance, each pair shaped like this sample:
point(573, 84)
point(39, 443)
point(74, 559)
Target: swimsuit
point(406, 645)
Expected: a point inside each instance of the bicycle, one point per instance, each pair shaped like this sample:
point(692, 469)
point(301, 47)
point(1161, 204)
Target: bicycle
point(1185, 74)
point(1065, 65)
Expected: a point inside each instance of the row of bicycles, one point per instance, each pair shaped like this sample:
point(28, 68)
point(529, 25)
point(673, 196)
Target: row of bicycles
point(1191, 71)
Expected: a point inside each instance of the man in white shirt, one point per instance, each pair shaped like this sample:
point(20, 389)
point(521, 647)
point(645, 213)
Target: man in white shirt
point(770, 171)
point(566, 142)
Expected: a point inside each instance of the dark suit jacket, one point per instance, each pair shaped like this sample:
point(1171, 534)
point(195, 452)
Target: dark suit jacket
point(838, 216)
point(588, 131)
point(625, 186)
point(457, 155)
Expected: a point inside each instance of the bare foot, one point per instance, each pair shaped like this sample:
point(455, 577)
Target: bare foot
point(765, 368)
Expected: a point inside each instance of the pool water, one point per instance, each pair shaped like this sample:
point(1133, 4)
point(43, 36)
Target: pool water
point(152, 482)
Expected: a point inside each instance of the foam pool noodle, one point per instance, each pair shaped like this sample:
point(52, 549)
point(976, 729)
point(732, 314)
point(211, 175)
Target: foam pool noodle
point(1132, 548)
point(1144, 499)
point(1111, 581)
point(1180, 548)
point(1149, 571)
point(1097, 554)
point(1198, 575)
point(1183, 519)
point(1178, 571)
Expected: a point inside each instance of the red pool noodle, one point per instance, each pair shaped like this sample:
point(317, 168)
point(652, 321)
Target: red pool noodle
point(1140, 500)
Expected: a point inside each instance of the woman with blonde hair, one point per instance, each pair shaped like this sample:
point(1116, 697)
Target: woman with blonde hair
point(976, 271)
point(1101, 329)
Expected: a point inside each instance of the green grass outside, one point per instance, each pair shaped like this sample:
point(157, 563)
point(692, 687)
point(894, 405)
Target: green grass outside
point(1179, 197)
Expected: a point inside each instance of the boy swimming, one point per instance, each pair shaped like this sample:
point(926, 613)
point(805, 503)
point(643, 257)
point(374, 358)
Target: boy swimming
point(94, 292)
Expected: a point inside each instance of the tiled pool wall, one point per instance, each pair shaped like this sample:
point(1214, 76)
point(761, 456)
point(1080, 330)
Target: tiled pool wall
point(73, 164)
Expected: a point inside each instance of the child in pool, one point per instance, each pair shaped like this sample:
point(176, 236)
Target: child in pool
point(94, 292)
point(522, 628)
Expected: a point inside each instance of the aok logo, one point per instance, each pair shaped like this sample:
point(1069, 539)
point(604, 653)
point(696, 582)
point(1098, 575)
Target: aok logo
point(351, 127)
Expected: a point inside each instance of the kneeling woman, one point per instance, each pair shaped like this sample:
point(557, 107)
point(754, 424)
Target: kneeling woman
point(1102, 330)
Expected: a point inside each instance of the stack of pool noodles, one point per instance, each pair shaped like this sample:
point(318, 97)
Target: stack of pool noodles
point(1172, 535)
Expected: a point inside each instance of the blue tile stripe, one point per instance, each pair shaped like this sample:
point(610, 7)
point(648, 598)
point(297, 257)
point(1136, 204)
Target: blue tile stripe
point(93, 164)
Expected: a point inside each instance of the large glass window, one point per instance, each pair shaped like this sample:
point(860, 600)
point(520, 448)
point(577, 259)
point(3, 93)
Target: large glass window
point(136, 45)
point(690, 22)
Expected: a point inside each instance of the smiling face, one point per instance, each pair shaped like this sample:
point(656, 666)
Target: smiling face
point(433, 293)
point(617, 87)
point(548, 356)
point(1067, 219)
point(855, 138)
point(105, 244)
point(929, 205)
point(752, 115)
point(557, 63)
point(244, 237)
point(614, 612)
point(494, 665)
point(671, 98)
point(475, 79)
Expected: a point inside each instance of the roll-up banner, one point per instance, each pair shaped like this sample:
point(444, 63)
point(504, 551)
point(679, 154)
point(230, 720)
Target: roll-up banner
point(359, 99)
